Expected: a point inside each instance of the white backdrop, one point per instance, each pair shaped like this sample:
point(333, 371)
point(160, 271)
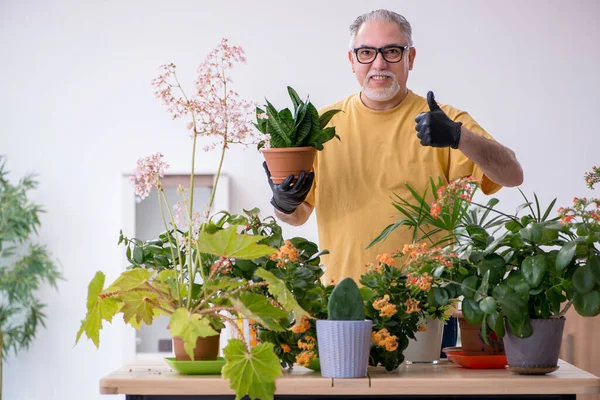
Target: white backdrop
point(76, 107)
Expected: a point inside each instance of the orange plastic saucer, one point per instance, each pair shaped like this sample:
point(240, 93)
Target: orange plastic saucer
point(477, 362)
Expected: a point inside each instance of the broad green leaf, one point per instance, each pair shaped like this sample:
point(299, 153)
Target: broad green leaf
point(495, 264)
point(469, 287)
point(228, 243)
point(253, 373)
point(532, 233)
point(131, 279)
point(516, 281)
point(224, 283)
point(594, 264)
point(587, 304)
point(278, 289)
point(472, 312)
point(583, 279)
point(98, 308)
point(257, 307)
point(488, 305)
point(496, 322)
point(534, 269)
point(189, 327)
point(565, 255)
point(136, 306)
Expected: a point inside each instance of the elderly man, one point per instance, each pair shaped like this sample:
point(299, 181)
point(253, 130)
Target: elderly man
point(382, 149)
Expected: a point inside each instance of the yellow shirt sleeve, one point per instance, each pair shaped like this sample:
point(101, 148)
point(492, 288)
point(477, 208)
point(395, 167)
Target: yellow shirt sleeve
point(461, 166)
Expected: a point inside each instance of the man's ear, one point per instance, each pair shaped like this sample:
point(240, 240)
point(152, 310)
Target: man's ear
point(412, 53)
point(351, 59)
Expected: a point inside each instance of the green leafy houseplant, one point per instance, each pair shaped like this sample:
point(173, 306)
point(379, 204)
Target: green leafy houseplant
point(25, 266)
point(303, 128)
point(292, 140)
point(399, 298)
point(297, 263)
point(198, 272)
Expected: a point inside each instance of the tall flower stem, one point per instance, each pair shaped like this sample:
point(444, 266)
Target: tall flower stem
point(164, 198)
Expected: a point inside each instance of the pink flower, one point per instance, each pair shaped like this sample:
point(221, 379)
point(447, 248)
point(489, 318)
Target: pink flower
point(148, 173)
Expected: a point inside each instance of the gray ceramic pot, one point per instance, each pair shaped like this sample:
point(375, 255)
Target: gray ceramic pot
point(344, 348)
point(538, 351)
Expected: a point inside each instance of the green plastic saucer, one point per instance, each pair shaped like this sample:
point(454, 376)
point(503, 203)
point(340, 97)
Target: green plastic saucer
point(197, 367)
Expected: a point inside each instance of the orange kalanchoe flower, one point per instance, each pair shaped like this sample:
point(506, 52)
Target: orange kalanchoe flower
point(286, 348)
point(412, 305)
point(309, 343)
point(463, 189)
point(385, 309)
point(385, 259)
point(303, 359)
point(383, 338)
point(286, 254)
point(302, 326)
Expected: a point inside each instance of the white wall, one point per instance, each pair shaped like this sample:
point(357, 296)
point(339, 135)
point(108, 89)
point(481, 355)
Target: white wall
point(76, 106)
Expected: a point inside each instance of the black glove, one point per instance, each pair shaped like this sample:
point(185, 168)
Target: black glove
point(287, 197)
point(435, 128)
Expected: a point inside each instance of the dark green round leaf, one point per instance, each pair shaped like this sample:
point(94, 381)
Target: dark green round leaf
point(441, 295)
point(594, 264)
point(583, 279)
point(565, 255)
point(532, 233)
point(516, 281)
point(138, 254)
point(469, 286)
point(472, 312)
point(587, 304)
point(488, 305)
point(161, 261)
point(495, 264)
point(534, 269)
point(463, 271)
point(512, 226)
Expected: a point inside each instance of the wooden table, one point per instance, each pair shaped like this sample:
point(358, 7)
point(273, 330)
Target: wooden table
point(154, 380)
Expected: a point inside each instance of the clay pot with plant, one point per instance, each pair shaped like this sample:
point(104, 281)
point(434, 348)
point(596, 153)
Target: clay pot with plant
point(293, 139)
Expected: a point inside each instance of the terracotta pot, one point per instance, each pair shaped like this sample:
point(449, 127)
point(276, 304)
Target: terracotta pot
point(538, 353)
point(207, 348)
point(472, 341)
point(283, 162)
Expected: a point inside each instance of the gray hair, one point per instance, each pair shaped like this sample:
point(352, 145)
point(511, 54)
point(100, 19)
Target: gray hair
point(381, 15)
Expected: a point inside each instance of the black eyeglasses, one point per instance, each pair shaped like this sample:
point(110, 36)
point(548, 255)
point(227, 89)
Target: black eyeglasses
point(390, 53)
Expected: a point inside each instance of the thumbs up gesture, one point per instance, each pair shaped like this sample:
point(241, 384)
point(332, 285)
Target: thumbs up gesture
point(435, 129)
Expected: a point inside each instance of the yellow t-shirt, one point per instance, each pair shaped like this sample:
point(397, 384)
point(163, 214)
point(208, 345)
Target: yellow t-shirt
point(355, 178)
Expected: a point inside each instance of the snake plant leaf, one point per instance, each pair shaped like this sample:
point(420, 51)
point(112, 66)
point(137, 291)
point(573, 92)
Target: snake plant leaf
point(281, 293)
point(251, 373)
point(99, 308)
point(228, 243)
point(189, 327)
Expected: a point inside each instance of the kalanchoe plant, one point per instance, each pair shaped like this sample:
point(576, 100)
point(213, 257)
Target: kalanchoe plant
point(25, 266)
point(303, 128)
point(188, 273)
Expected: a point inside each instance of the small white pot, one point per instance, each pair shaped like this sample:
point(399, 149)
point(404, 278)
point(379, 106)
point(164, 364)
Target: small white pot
point(426, 349)
point(344, 347)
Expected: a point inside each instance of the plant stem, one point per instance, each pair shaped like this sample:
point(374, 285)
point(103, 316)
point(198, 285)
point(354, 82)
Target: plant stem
point(162, 192)
point(564, 311)
point(237, 328)
point(156, 305)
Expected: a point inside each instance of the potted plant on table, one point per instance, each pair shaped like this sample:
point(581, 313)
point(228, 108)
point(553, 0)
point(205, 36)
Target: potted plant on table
point(444, 216)
point(344, 338)
point(401, 301)
point(292, 140)
point(186, 273)
point(25, 266)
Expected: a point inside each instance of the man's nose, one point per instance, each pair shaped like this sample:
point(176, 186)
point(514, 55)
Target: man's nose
point(379, 62)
